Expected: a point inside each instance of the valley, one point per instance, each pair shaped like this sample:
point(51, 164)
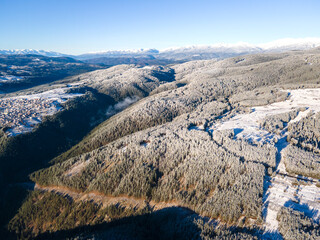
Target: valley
point(22, 71)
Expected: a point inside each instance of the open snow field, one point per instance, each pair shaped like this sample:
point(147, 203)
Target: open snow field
point(22, 113)
point(248, 125)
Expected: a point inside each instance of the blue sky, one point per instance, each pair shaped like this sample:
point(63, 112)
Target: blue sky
point(79, 26)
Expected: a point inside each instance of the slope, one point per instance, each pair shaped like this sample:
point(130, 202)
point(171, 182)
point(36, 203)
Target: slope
point(167, 147)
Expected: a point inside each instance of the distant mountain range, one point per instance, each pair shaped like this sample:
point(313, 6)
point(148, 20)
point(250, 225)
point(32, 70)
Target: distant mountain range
point(32, 51)
point(188, 53)
point(26, 70)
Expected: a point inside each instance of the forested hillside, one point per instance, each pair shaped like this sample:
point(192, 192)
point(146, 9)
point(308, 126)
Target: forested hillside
point(207, 149)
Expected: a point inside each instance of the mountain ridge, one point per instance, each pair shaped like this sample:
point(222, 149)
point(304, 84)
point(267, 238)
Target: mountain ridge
point(204, 136)
point(219, 50)
point(32, 51)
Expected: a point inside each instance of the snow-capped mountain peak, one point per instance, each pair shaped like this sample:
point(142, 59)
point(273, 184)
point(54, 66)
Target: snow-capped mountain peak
point(278, 45)
point(32, 51)
point(192, 52)
point(291, 44)
point(127, 51)
point(214, 47)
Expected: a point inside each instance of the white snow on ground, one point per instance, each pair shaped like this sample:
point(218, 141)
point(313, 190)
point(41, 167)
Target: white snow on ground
point(58, 94)
point(250, 123)
point(283, 190)
point(22, 113)
point(10, 78)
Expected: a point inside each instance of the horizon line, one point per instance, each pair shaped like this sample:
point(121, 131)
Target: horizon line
point(264, 45)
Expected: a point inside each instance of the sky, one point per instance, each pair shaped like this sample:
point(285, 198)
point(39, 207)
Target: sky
point(80, 26)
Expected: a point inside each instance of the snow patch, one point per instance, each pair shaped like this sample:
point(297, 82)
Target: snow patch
point(303, 196)
point(10, 78)
point(22, 113)
point(250, 123)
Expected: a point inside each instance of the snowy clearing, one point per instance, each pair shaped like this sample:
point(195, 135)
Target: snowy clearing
point(250, 123)
point(283, 190)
